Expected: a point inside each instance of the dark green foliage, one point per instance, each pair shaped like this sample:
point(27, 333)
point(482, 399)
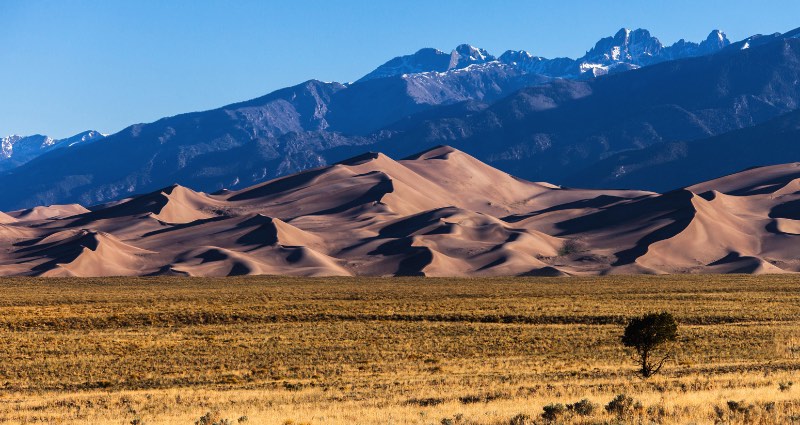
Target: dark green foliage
point(582, 408)
point(212, 418)
point(521, 419)
point(553, 412)
point(645, 334)
point(425, 402)
point(570, 246)
point(623, 405)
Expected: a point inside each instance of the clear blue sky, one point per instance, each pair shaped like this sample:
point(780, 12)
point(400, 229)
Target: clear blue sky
point(70, 65)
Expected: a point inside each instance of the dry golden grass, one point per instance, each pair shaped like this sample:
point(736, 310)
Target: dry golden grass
point(391, 351)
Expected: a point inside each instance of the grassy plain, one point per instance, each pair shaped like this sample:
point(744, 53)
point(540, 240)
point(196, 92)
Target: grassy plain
point(270, 350)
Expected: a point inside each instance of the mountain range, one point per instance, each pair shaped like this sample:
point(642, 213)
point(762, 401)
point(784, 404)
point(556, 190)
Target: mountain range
point(624, 51)
point(16, 150)
point(628, 107)
point(439, 212)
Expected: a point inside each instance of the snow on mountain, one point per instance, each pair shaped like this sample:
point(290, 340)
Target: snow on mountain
point(626, 50)
point(431, 60)
point(633, 49)
point(466, 55)
point(761, 39)
point(424, 60)
point(16, 150)
point(21, 145)
point(86, 136)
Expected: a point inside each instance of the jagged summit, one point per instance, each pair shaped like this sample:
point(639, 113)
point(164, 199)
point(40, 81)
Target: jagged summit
point(637, 47)
point(465, 55)
point(626, 49)
point(717, 38)
point(629, 49)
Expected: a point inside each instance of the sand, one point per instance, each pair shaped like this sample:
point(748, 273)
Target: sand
point(438, 213)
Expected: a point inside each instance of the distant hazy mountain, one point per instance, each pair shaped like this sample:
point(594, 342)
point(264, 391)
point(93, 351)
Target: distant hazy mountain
point(16, 150)
point(666, 166)
point(541, 119)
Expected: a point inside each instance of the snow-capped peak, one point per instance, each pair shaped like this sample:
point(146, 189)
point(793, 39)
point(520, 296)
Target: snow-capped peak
point(515, 56)
point(636, 47)
point(17, 150)
point(716, 40)
point(465, 55)
point(626, 49)
point(424, 60)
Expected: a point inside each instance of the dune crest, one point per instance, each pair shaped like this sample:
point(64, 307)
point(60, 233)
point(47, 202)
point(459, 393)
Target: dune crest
point(6, 219)
point(438, 213)
point(48, 212)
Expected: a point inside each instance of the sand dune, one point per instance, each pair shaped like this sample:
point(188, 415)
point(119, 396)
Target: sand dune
point(174, 205)
point(754, 181)
point(5, 218)
point(296, 261)
point(84, 253)
point(438, 213)
point(48, 212)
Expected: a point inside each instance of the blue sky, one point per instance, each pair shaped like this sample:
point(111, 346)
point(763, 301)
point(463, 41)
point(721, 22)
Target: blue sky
point(70, 65)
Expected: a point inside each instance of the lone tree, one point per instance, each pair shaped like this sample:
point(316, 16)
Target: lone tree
point(646, 334)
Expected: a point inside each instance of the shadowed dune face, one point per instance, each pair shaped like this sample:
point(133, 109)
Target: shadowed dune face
point(437, 213)
point(84, 253)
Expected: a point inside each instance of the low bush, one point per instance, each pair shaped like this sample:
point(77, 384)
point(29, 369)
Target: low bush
point(622, 405)
point(553, 412)
point(582, 408)
point(212, 418)
point(425, 402)
point(521, 419)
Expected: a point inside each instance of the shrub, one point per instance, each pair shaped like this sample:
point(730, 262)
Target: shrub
point(212, 418)
point(457, 419)
point(647, 333)
point(480, 398)
point(734, 406)
point(623, 405)
point(570, 246)
point(739, 407)
point(553, 411)
point(657, 413)
point(785, 386)
point(582, 408)
point(521, 419)
point(425, 402)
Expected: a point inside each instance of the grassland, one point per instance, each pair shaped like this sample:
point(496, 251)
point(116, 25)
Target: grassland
point(392, 351)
